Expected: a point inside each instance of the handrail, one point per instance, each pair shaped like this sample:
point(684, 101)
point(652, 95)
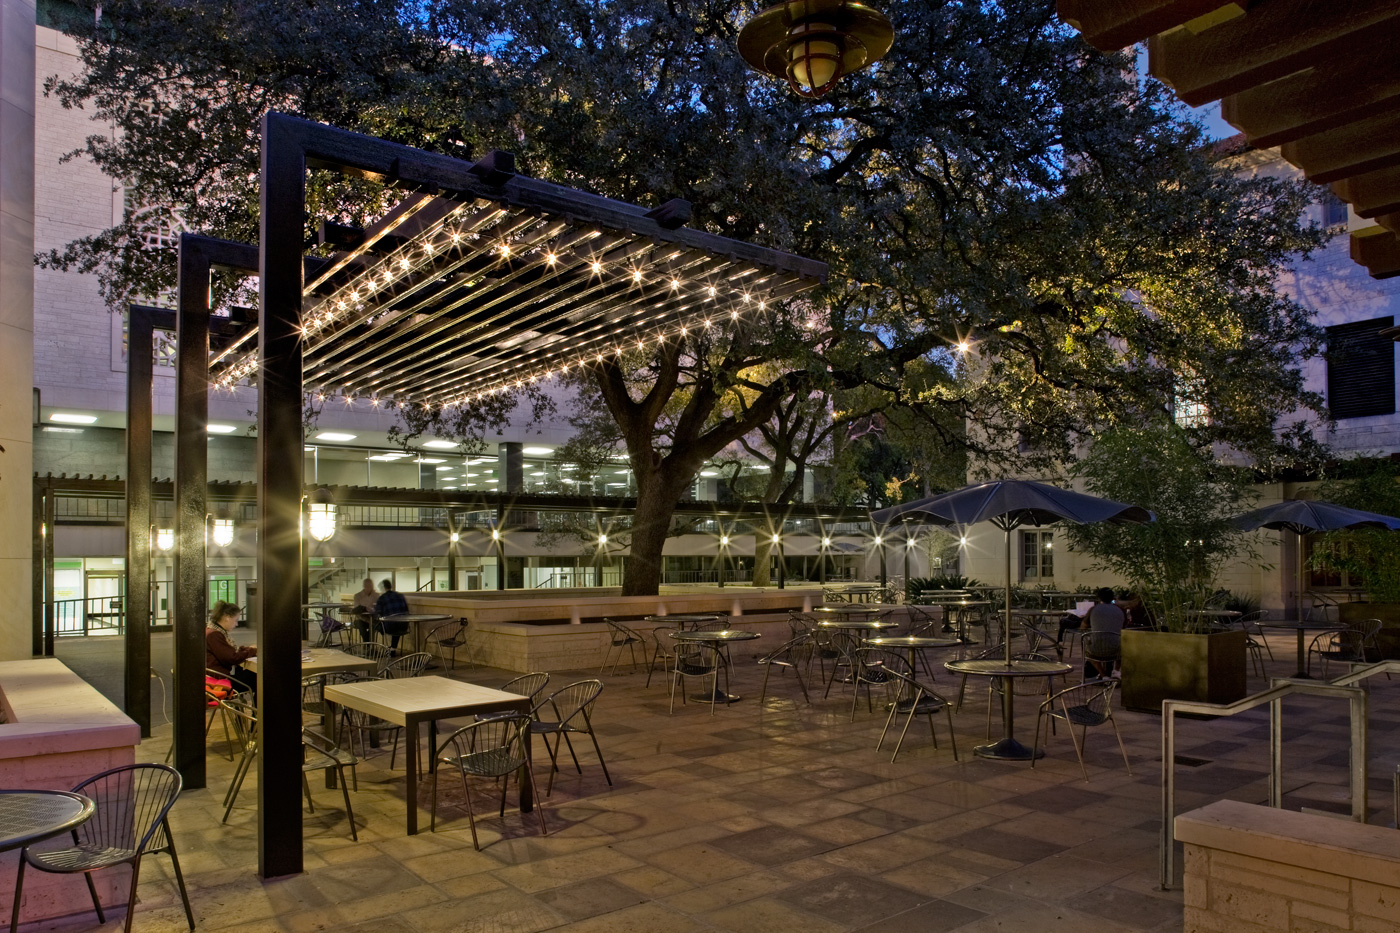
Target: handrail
point(1360, 672)
point(1356, 697)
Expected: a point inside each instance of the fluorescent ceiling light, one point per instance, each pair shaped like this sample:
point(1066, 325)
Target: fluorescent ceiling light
point(569, 466)
point(430, 460)
point(480, 460)
point(471, 474)
point(493, 481)
point(621, 472)
point(390, 457)
point(537, 474)
point(53, 430)
point(446, 469)
point(441, 445)
point(64, 417)
point(449, 487)
point(708, 473)
point(568, 479)
point(335, 436)
point(537, 451)
point(222, 429)
point(308, 447)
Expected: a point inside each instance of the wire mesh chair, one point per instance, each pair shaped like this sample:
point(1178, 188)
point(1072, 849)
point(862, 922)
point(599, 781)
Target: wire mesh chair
point(913, 698)
point(870, 668)
point(410, 665)
point(1255, 642)
point(662, 650)
point(694, 659)
point(1102, 650)
point(332, 629)
point(839, 648)
point(370, 651)
point(1347, 646)
point(313, 689)
point(572, 707)
point(131, 821)
point(1084, 705)
point(319, 753)
point(527, 685)
point(245, 719)
point(793, 655)
point(449, 636)
point(489, 748)
point(619, 637)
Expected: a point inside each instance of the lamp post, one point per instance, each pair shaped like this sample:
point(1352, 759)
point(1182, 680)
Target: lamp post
point(821, 559)
point(782, 564)
point(812, 44)
point(719, 557)
point(880, 546)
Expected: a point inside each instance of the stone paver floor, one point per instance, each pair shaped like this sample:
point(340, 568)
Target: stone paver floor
point(769, 817)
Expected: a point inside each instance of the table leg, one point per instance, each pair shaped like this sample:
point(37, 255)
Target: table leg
point(410, 750)
point(1007, 749)
point(1302, 659)
point(522, 777)
point(328, 714)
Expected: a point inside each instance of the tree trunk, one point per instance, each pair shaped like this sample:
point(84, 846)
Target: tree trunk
point(656, 503)
point(762, 548)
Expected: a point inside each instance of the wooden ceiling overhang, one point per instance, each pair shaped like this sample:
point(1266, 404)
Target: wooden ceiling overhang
point(1319, 79)
point(451, 298)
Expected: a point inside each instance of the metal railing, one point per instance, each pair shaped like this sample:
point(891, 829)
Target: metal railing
point(96, 614)
point(1356, 697)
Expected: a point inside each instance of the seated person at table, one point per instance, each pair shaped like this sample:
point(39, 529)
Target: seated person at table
point(1103, 617)
point(390, 603)
point(222, 654)
point(365, 600)
point(1136, 611)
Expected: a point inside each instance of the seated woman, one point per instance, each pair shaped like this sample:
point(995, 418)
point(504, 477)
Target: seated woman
point(221, 654)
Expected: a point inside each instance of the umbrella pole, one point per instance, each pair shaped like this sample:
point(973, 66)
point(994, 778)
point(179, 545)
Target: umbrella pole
point(1006, 619)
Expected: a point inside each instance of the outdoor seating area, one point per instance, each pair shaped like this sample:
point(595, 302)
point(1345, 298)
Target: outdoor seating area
point(770, 814)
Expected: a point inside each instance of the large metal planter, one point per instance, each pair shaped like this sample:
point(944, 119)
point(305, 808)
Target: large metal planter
point(1161, 666)
point(1388, 639)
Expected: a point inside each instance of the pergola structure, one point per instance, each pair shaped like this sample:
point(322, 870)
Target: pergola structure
point(1319, 80)
point(478, 282)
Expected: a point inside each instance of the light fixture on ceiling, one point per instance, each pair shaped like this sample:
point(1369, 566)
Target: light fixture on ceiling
point(335, 436)
point(320, 514)
point(442, 445)
point(537, 451)
point(221, 428)
point(68, 417)
point(222, 531)
point(812, 44)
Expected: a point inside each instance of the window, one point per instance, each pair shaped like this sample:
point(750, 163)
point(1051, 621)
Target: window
point(1334, 210)
point(1189, 402)
point(1360, 369)
point(1037, 555)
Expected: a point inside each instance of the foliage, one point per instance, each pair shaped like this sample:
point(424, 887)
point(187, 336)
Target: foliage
point(1370, 556)
point(993, 181)
point(915, 586)
point(1173, 562)
point(1243, 603)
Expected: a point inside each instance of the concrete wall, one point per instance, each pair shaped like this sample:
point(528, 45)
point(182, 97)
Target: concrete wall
point(16, 319)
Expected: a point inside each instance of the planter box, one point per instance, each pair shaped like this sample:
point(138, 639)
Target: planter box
point(1161, 666)
point(1388, 640)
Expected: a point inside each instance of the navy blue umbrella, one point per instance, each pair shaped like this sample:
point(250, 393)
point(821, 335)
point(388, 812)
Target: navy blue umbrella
point(1008, 504)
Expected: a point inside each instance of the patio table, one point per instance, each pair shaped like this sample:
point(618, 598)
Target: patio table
point(960, 620)
point(916, 644)
point(1007, 748)
point(720, 639)
point(411, 701)
point(683, 619)
point(29, 816)
point(1299, 626)
point(413, 620)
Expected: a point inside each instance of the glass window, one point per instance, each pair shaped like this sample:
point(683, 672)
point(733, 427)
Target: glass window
point(1037, 555)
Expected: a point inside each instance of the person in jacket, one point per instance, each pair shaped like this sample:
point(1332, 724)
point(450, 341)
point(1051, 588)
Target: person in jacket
point(390, 603)
point(224, 656)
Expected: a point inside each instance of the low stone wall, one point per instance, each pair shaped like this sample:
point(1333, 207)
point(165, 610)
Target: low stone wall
point(1252, 869)
point(58, 731)
point(563, 629)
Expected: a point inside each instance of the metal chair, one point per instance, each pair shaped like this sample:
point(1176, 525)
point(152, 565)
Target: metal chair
point(526, 685)
point(871, 668)
point(619, 637)
point(1348, 646)
point(1102, 650)
point(319, 753)
point(410, 665)
point(1255, 642)
point(131, 821)
point(449, 635)
point(694, 659)
point(332, 629)
point(839, 648)
point(572, 707)
point(489, 748)
point(1087, 704)
point(663, 650)
point(370, 651)
point(913, 698)
point(792, 655)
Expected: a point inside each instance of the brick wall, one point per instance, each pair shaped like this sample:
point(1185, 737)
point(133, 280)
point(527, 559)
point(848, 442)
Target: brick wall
point(1252, 869)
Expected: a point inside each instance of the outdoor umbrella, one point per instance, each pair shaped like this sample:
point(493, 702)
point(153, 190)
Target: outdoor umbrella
point(1009, 504)
point(1305, 516)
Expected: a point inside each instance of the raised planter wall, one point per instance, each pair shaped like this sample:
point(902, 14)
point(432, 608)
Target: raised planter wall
point(1161, 666)
point(58, 731)
point(563, 629)
point(1251, 869)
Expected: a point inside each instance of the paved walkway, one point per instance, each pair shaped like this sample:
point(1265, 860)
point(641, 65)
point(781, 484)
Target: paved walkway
point(769, 817)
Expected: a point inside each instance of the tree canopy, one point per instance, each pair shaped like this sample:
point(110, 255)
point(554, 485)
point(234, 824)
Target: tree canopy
point(993, 182)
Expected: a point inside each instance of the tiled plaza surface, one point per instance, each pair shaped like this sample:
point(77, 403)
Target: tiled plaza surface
point(770, 816)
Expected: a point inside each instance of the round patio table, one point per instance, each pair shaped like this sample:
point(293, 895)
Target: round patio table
point(848, 611)
point(1300, 626)
point(29, 816)
point(413, 620)
point(683, 619)
point(720, 639)
point(858, 625)
point(1007, 748)
point(916, 645)
point(962, 605)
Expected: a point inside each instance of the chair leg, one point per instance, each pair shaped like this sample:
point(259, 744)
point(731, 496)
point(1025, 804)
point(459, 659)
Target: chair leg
point(952, 736)
point(471, 815)
point(763, 693)
point(1035, 745)
point(1078, 745)
point(131, 898)
point(539, 801)
point(179, 876)
point(599, 752)
point(894, 707)
point(306, 786)
point(1120, 745)
point(19, 893)
point(570, 745)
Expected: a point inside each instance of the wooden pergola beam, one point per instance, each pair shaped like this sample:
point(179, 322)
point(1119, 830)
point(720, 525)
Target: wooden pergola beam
point(1109, 25)
point(1378, 252)
point(1371, 194)
point(1347, 151)
point(1271, 41)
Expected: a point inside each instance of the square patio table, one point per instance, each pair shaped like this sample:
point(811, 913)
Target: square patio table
point(412, 701)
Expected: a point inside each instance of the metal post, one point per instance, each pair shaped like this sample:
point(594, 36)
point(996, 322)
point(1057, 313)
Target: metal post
point(139, 374)
point(1360, 757)
point(280, 283)
point(189, 583)
point(1166, 848)
point(50, 509)
point(1276, 753)
point(36, 580)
